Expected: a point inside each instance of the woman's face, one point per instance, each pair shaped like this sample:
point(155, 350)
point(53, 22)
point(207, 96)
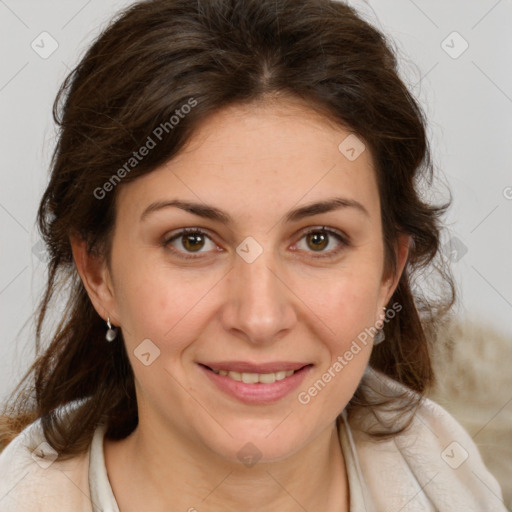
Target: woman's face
point(252, 293)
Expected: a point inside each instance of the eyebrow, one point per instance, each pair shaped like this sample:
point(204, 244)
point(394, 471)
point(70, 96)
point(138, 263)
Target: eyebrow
point(212, 213)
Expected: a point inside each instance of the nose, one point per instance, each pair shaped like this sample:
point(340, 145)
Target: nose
point(260, 304)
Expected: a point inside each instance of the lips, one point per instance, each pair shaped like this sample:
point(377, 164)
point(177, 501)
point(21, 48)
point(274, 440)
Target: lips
point(246, 367)
point(250, 383)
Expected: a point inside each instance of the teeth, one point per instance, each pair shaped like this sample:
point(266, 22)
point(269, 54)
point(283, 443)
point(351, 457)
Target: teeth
point(253, 378)
point(268, 378)
point(250, 378)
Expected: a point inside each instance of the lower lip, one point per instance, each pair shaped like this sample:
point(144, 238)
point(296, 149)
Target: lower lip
point(257, 393)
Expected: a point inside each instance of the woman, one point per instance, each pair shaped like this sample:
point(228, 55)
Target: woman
point(234, 206)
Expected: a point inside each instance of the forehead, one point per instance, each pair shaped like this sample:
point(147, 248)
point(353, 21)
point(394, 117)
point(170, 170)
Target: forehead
point(262, 156)
point(280, 130)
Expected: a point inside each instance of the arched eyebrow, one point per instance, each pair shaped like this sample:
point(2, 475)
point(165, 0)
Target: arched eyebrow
point(210, 212)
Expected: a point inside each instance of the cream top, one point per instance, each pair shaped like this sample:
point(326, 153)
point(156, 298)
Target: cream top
point(432, 466)
point(102, 495)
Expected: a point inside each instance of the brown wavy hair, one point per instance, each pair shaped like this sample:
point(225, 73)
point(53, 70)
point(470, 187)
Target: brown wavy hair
point(153, 58)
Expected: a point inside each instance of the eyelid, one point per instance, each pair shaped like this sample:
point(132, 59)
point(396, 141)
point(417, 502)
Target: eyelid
point(176, 234)
point(342, 237)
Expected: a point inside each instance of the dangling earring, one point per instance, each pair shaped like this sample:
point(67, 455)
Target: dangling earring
point(111, 333)
point(379, 335)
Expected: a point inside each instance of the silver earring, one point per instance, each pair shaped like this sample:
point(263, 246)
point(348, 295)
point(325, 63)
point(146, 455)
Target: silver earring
point(111, 333)
point(379, 335)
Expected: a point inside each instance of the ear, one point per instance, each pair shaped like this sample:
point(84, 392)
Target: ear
point(96, 278)
point(391, 280)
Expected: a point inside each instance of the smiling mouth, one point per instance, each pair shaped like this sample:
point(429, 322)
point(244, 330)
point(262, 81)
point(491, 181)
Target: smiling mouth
point(255, 378)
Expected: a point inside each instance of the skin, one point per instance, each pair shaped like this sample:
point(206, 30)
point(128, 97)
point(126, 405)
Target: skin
point(255, 162)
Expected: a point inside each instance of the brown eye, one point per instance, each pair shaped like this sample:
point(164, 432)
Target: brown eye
point(192, 241)
point(318, 240)
point(189, 241)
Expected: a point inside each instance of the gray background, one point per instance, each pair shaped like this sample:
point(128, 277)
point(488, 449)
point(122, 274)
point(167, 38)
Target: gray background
point(467, 98)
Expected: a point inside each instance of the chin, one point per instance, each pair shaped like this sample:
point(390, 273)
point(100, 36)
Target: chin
point(259, 443)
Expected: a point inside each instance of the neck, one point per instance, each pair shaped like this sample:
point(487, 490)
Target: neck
point(171, 473)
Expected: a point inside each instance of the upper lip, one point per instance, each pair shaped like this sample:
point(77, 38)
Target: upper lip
point(246, 367)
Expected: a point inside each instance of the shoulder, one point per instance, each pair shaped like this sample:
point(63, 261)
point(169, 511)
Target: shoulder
point(433, 463)
point(32, 477)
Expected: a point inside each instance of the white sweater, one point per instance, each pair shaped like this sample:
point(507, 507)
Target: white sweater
point(433, 466)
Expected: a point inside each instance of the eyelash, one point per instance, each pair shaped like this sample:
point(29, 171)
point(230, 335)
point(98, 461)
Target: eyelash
point(341, 237)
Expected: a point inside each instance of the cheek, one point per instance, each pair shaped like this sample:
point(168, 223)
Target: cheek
point(346, 302)
point(164, 305)
point(348, 310)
